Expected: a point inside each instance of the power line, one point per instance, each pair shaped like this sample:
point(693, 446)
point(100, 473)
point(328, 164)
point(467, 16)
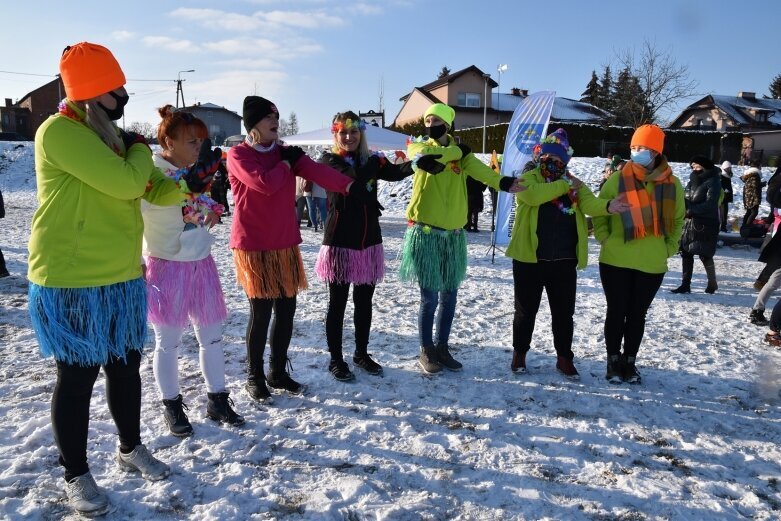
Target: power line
point(30, 74)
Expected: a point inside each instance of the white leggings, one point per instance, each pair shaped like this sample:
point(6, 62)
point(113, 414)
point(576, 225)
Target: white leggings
point(166, 358)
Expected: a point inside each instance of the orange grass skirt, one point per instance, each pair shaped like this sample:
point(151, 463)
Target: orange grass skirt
point(270, 274)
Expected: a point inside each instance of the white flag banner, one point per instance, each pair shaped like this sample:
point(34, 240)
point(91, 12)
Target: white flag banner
point(527, 127)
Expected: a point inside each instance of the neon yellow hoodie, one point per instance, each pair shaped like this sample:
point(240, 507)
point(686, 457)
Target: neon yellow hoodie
point(87, 229)
point(524, 240)
point(440, 200)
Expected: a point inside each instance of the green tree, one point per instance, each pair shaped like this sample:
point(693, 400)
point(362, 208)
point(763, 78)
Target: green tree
point(413, 128)
point(775, 87)
point(629, 101)
point(606, 91)
point(146, 129)
point(293, 124)
point(444, 72)
point(592, 92)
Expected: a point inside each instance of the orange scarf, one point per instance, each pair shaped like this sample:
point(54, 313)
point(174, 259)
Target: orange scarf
point(649, 212)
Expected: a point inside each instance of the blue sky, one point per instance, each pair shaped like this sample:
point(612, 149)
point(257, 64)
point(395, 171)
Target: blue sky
point(318, 57)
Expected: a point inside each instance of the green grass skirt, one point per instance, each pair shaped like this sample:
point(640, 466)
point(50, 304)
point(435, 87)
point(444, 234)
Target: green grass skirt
point(435, 259)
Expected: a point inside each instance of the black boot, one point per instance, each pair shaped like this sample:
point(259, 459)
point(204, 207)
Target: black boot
point(686, 279)
point(631, 375)
point(429, 361)
point(279, 378)
point(710, 270)
point(176, 418)
point(364, 360)
point(219, 409)
point(615, 369)
point(757, 317)
point(256, 380)
point(446, 360)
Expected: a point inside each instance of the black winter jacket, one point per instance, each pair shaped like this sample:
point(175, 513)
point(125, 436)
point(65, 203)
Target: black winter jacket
point(352, 223)
point(771, 247)
point(701, 227)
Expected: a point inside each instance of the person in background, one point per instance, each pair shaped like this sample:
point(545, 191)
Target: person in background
point(87, 297)
point(183, 285)
point(301, 202)
point(434, 250)
point(549, 242)
point(3, 268)
point(635, 247)
point(534, 162)
point(726, 185)
point(752, 193)
point(701, 224)
point(352, 252)
point(219, 188)
point(265, 238)
point(318, 206)
point(474, 194)
point(770, 253)
point(615, 164)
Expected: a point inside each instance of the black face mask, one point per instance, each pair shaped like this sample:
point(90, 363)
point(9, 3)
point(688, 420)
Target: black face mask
point(116, 113)
point(436, 131)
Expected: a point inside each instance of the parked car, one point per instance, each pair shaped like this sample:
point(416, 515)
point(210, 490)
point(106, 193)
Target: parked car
point(234, 140)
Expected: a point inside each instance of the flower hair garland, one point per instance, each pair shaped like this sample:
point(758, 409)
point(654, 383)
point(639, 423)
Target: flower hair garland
point(348, 124)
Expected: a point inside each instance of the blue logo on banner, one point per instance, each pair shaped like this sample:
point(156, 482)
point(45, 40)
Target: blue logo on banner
point(529, 136)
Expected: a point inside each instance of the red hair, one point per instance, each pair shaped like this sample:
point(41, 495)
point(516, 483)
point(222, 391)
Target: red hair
point(175, 122)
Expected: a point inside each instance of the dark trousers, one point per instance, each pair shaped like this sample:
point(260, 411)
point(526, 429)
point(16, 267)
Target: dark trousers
point(751, 214)
point(724, 215)
point(71, 402)
point(3, 268)
point(775, 317)
point(559, 280)
point(629, 294)
point(362, 319)
point(257, 332)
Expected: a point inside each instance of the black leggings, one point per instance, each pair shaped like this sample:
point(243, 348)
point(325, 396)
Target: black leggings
point(559, 280)
point(629, 294)
point(751, 214)
point(334, 318)
point(71, 403)
point(260, 309)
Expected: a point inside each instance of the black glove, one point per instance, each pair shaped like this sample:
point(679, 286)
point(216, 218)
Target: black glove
point(505, 183)
point(430, 164)
point(359, 190)
point(292, 154)
point(131, 138)
point(200, 175)
point(465, 150)
point(406, 168)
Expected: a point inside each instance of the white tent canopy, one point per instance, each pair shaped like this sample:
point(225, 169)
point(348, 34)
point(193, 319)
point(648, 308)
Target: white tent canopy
point(378, 138)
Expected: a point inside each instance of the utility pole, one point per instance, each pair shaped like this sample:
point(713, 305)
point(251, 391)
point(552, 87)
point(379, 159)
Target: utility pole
point(179, 90)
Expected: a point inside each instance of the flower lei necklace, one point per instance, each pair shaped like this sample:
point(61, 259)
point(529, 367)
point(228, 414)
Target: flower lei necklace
point(572, 193)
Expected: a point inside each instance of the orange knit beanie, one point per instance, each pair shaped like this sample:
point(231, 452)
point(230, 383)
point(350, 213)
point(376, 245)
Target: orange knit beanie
point(649, 136)
point(89, 70)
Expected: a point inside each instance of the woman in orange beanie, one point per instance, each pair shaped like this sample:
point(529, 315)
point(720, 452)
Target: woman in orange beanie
point(87, 297)
point(636, 245)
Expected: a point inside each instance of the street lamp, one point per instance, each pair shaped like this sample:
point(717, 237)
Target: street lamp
point(179, 90)
point(500, 69)
point(486, 77)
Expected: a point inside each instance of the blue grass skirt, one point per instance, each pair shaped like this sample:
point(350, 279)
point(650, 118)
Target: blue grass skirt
point(89, 326)
point(435, 258)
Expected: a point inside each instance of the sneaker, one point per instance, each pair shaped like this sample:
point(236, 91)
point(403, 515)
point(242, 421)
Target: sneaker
point(631, 375)
point(615, 372)
point(175, 417)
point(365, 362)
point(85, 497)
point(141, 460)
point(518, 365)
point(219, 408)
point(429, 361)
point(446, 360)
point(773, 338)
point(567, 368)
point(285, 382)
point(340, 370)
point(683, 288)
point(757, 317)
point(258, 391)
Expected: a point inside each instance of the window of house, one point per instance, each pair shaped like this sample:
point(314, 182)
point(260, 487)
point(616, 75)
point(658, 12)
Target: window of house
point(468, 99)
point(761, 117)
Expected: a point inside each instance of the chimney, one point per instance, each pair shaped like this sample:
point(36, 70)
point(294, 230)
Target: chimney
point(8, 102)
point(750, 96)
point(524, 92)
point(515, 91)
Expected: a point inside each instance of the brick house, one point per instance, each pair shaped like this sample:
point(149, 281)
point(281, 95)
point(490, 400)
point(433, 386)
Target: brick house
point(26, 115)
point(220, 121)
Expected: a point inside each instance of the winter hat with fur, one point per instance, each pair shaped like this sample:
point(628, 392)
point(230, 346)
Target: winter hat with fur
point(255, 109)
point(557, 144)
point(89, 70)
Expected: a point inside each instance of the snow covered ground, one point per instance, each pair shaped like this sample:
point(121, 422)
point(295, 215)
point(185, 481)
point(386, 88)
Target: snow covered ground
point(698, 440)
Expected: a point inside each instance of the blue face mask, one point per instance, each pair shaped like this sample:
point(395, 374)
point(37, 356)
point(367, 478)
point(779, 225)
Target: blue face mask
point(642, 157)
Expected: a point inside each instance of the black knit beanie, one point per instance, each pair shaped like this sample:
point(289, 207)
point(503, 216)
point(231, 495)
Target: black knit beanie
point(703, 161)
point(255, 109)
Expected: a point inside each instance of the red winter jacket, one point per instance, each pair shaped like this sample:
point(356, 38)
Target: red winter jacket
point(264, 196)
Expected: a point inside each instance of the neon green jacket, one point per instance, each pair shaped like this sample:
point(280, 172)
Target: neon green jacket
point(440, 200)
point(648, 254)
point(87, 229)
point(524, 240)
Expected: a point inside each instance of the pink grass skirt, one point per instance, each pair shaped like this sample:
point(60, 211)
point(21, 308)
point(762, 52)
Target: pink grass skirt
point(343, 265)
point(178, 292)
